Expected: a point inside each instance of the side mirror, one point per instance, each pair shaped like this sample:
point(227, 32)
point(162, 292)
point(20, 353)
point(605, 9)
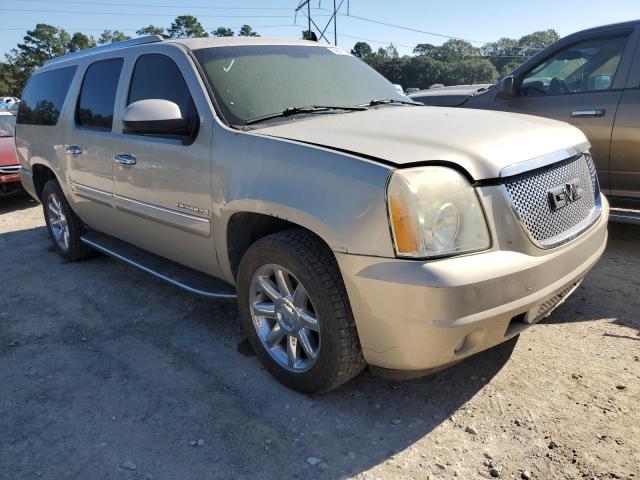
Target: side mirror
point(157, 117)
point(506, 87)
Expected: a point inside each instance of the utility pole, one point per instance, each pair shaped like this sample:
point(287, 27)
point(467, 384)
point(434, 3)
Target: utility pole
point(335, 24)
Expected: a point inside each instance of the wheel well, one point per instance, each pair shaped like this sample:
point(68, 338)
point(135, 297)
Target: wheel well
point(41, 175)
point(246, 228)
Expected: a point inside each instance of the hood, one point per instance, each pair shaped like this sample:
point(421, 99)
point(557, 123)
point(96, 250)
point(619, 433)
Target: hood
point(8, 151)
point(449, 96)
point(482, 142)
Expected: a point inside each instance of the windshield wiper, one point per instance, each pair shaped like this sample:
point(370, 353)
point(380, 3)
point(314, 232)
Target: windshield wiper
point(386, 101)
point(298, 110)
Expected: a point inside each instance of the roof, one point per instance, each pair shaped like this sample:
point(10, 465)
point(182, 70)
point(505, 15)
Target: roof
point(191, 43)
point(198, 43)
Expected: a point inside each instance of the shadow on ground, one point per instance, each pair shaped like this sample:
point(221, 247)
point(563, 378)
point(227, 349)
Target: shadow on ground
point(102, 365)
point(18, 201)
point(615, 277)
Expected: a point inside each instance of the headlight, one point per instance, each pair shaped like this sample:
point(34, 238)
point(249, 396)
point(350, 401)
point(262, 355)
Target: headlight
point(434, 211)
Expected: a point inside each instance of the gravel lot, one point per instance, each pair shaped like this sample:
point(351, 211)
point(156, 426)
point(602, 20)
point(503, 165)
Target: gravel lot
point(109, 373)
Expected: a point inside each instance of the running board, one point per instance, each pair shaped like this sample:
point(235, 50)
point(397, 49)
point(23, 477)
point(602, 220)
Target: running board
point(624, 215)
point(171, 272)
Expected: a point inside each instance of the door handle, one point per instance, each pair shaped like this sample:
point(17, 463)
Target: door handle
point(125, 159)
point(73, 150)
point(592, 112)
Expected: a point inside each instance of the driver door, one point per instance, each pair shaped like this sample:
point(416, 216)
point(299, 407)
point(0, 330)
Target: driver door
point(580, 84)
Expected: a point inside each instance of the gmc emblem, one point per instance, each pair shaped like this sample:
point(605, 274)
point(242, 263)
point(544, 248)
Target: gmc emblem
point(563, 195)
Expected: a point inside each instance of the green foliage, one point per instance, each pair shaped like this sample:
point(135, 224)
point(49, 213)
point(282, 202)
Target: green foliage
point(222, 32)
point(309, 35)
point(112, 36)
point(454, 62)
point(507, 53)
point(150, 30)
point(186, 26)
point(247, 31)
point(361, 50)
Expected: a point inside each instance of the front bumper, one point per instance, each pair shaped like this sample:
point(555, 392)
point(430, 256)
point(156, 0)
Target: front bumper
point(416, 315)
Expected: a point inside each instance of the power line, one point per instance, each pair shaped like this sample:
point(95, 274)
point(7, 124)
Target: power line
point(132, 29)
point(194, 7)
point(371, 20)
point(140, 13)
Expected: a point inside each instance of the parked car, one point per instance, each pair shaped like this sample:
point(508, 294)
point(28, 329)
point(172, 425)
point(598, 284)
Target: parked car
point(9, 166)
point(7, 102)
point(590, 79)
point(13, 109)
point(352, 226)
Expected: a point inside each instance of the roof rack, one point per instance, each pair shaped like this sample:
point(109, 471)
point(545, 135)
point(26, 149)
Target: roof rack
point(106, 48)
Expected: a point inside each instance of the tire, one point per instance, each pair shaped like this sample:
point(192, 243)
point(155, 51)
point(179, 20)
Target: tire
point(69, 248)
point(308, 261)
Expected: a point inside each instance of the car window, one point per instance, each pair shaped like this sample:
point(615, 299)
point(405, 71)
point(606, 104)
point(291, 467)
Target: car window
point(157, 76)
point(98, 94)
point(587, 66)
point(44, 96)
point(7, 125)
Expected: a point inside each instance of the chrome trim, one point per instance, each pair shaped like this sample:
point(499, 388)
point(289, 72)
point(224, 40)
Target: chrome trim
point(125, 159)
point(183, 221)
point(198, 225)
point(544, 160)
point(632, 217)
point(90, 193)
point(133, 263)
point(9, 169)
point(594, 112)
point(563, 237)
point(73, 150)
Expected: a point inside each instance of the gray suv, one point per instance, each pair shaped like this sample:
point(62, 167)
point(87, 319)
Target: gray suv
point(352, 225)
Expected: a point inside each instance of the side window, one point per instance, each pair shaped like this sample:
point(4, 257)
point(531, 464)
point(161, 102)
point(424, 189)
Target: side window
point(44, 96)
point(98, 95)
point(588, 66)
point(157, 76)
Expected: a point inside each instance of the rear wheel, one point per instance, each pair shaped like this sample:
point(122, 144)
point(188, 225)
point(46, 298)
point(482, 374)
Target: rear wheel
point(64, 226)
point(295, 311)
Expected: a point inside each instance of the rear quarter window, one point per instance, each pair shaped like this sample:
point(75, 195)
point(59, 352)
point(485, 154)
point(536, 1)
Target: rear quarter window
point(44, 96)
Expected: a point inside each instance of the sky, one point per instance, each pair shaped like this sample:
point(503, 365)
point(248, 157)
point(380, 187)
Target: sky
point(479, 21)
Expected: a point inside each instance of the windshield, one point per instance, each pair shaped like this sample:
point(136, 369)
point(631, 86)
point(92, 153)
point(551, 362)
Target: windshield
point(7, 125)
point(251, 81)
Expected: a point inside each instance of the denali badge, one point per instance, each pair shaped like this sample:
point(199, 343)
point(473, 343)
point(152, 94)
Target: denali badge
point(193, 209)
point(563, 195)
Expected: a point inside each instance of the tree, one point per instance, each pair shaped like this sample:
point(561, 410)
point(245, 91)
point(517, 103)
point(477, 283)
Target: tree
point(109, 36)
point(38, 46)
point(425, 49)
point(222, 32)
point(247, 31)
point(507, 53)
point(150, 30)
point(361, 50)
point(186, 26)
point(456, 49)
point(80, 41)
point(474, 70)
point(309, 35)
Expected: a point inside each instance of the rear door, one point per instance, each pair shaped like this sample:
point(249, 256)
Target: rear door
point(90, 142)
point(580, 83)
point(625, 142)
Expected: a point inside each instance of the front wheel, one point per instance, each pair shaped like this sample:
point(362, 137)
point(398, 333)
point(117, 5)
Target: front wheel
point(294, 309)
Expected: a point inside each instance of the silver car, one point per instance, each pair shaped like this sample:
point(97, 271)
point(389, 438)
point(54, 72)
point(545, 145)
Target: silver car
point(352, 225)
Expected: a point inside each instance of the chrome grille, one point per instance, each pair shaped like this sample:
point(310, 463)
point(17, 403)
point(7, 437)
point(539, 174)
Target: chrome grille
point(10, 169)
point(528, 195)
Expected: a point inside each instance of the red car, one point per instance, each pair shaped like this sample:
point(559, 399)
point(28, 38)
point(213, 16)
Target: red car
point(9, 177)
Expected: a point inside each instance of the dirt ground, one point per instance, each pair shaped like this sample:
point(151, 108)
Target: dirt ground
point(107, 373)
